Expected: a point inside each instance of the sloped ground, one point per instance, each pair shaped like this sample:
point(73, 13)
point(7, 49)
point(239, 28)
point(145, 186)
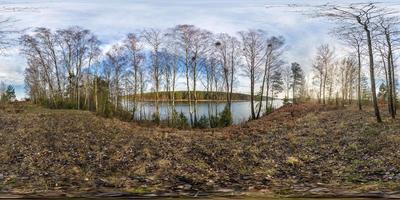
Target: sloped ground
point(293, 150)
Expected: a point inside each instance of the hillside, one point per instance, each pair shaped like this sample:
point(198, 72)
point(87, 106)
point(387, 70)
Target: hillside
point(303, 150)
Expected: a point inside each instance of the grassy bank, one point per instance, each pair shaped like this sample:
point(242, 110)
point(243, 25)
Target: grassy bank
point(294, 149)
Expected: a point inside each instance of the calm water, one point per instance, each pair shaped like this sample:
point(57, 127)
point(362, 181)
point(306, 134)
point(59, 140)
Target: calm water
point(241, 111)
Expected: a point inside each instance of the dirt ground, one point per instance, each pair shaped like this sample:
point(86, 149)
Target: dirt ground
point(295, 149)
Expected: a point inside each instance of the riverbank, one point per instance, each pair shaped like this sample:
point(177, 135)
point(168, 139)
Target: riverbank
point(303, 150)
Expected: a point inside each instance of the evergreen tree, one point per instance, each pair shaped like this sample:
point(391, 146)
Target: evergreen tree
point(8, 95)
point(297, 78)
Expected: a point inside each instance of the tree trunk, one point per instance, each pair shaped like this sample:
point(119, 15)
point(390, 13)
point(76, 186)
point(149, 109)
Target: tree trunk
point(194, 91)
point(294, 89)
point(320, 90)
point(393, 85)
point(95, 94)
point(232, 73)
point(372, 75)
point(262, 90)
point(253, 113)
point(390, 68)
point(359, 78)
point(188, 89)
point(324, 87)
point(267, 92)
point(388, 79)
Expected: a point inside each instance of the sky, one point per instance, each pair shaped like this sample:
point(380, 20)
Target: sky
point(112, 20)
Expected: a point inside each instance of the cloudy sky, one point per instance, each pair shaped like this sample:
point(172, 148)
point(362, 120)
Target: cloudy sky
point(112, 20)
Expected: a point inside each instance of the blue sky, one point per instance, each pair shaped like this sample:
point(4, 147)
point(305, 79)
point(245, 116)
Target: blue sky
point(112, 20)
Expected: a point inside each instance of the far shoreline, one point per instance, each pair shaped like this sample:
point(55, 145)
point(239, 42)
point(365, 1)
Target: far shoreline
point(202, 101)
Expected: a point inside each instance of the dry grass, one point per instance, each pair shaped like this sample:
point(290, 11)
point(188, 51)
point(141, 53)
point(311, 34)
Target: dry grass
point(67, 150)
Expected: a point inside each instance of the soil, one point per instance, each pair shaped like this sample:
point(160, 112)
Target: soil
point(300, 150)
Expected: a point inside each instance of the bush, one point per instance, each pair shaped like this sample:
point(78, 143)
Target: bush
point(225, 118)
point(269, 110)
point(156, 118)
point(179, 120)
point(203, 122)
point(214, 121)
point(286, 101)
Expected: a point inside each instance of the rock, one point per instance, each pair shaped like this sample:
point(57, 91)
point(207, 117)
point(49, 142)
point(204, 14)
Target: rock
point(397, 177)
point(225, 190)
point(1, 177)
point(393, 196)
point(151, 195)
point(103, 182)
point(319, 190)
point(187, 187)
point(184, 187)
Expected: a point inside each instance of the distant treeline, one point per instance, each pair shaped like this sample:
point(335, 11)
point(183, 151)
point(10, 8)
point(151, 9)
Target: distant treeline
point(184, 96)
point(67, 68)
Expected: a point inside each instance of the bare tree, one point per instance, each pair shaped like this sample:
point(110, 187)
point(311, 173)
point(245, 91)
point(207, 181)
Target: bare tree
point(322, 67)
point(200, 46)
point(356, 40)
point(228, 48)
point(273, 62)
point(78, 48)
point(116, 62)
point(347, 71)
point(183, 35)
point(387, 29)
point(136, 58)
point(154, 38)
point(34, 48)
point(194, 43)
point(253, 42)
point(8, 31)
point(172, 61)
point(362, 15)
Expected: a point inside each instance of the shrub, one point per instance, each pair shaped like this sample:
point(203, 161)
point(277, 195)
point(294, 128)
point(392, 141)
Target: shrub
point(203, 122)
point(156, 118)
point(225, 118)
point(286, 101)
point(214, 121)
point(179, 120)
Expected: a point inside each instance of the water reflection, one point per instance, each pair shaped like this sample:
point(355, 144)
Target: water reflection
point(241, 110)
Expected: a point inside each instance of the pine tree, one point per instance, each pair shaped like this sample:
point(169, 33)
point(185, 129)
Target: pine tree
point(297, 78)
point(8, 95)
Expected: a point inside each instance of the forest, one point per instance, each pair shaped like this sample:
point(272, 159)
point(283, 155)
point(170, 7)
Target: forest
point(67, 68)
point(184, 111)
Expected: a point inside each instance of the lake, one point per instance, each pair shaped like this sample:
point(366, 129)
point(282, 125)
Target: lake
point(241, 110)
